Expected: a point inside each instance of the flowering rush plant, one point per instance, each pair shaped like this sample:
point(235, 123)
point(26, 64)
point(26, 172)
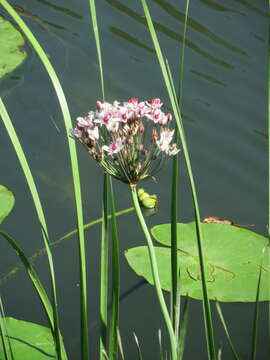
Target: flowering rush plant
point(129, 140)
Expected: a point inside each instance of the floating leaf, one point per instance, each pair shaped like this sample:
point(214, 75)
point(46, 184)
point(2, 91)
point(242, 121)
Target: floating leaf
point(29, 341)
point(232, 261)
point(11, 43)
point(7, 201)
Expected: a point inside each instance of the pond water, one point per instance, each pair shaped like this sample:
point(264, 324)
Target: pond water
point(225, 117)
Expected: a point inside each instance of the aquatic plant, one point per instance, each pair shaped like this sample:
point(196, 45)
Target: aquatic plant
point(129, 140)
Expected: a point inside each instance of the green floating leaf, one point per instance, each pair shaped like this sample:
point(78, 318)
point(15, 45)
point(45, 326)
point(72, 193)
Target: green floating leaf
point(7, 201)
point(232, 261)
point(11, 43)
point(29, 341)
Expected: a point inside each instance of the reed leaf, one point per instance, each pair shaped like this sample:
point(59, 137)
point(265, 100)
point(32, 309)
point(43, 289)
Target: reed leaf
point(220, 314)
point(256, 313)
point(177, 115)
point(74, 165)
point(96, 34)
point(138, 346)
point(57, 335)
point(4, 335)
point(6, 276)
point(183, 329)
point(114, 318)
point(104, 232)
point(269, 156)
point(37, 285)
point(104, 285)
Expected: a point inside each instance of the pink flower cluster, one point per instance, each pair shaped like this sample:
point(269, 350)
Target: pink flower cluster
point(125, 138)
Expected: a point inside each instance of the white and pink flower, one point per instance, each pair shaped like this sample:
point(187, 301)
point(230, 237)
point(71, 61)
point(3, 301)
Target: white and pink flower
point(117, 136)
point(114, 147)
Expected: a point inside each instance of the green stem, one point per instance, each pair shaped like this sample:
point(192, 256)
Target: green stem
point(154, 267)
point(104, 272)
point(113, 344)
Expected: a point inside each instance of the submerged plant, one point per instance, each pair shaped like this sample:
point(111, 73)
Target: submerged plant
point(129, 140)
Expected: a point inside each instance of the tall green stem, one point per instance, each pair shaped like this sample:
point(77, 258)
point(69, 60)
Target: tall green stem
point(154, 267)
point(104, 272)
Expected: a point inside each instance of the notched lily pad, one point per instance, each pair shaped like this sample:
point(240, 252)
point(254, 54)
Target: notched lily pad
point(11, 43)
point(29, 341)
point(7, 201)
point(232, 261)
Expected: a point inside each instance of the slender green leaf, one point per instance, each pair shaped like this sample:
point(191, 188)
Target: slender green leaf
point(6, 345)
point(183, 329)
point(57, 336)
point(6, 276)
point(96, 34)
point(137, 346)
point(161, 355)
point(113, 343)
point(206, 305)
point(104, 233)
point(23, 162)
point(74, 165)
point(219, 311)
point(104, 286)
point(256, 310)
point(269, 159)
point(36, 283)
point(120, 344)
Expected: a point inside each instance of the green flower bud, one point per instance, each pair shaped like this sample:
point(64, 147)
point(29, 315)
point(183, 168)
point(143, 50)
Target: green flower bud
point(140, 192)
point(149, 202)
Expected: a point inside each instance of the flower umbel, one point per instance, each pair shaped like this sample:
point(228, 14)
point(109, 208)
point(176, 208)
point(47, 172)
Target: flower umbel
point(129, 140)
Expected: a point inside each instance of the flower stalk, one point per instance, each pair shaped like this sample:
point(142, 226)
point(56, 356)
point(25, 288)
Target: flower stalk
point(154, 266)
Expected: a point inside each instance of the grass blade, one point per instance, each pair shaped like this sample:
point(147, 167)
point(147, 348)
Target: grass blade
point(120, 344)
point(256, 313)
point(56, 329)
point(28, 175)
point(183, 329)
point(113, 343)
point(104, 255)
point(96, 34)
point(161, 356)
point(269, 160)
point(176, 111)
point(4, 335)
point(6, 276)
point(219, 311)
point(36, 283)
point(23, 162)
point(74, 165)
point(104, 233)
point(138, 346)
point(181, 73)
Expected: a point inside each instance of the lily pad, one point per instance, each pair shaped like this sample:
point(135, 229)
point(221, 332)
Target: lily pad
point(232, 262)
point(29, 341)
point(7, 201)
point(11, 43)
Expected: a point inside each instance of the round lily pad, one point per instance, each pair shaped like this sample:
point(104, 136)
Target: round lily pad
point(11, 43)
point(29, 341)
point(7, 201)
point(234, 258)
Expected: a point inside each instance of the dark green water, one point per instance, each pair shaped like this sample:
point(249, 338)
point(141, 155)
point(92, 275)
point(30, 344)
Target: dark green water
point(225, 112)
